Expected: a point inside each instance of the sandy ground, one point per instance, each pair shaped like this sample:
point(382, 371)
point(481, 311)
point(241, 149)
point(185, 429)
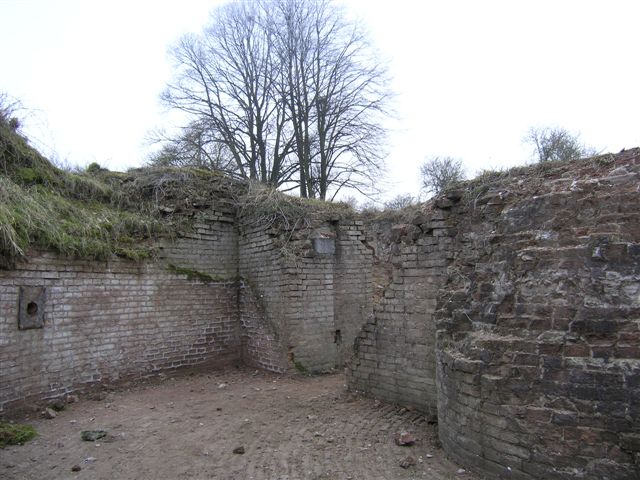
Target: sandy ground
point(291, 427)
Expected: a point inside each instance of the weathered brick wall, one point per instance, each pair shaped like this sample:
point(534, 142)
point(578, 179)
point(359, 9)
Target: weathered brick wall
point(395, 352)
point(294, 274)
point(209, 246)
point(353, 287)
point(262, 290)
point(539, 340)
point(104, 321)
point(260, 346)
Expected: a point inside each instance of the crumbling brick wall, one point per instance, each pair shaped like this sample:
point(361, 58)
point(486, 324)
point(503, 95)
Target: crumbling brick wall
point(395, 357)
point(528, 321)
point(539, 340)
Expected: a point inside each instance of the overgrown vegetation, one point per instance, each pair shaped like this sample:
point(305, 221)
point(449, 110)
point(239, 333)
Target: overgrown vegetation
point(15, 434)
point(85, 214)
point(261, 204)
point(97, 213)
point(440, 173)
point(556, 144)
point(301, 368)
point(43, 218)
point(532, 176)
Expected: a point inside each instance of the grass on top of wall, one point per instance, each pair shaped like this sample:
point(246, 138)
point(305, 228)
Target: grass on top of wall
point(72, 213)
point(40, 217)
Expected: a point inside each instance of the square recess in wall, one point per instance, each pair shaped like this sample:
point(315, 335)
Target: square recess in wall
point(324, 246)
point(31, 307)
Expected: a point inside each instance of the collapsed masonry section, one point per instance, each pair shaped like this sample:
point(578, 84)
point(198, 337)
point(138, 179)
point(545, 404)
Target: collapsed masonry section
point(395, 352)
point(537, 321)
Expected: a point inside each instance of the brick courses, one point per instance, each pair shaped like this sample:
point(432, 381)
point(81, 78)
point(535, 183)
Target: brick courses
point(527, 291)
point(511, 312)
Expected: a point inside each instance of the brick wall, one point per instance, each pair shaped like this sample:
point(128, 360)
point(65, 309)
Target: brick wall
point(353, 287)
point(210, 246)
point(260, 345)
point(262, 289)
point(104, 321)
point(395, 352)
point(314, 284)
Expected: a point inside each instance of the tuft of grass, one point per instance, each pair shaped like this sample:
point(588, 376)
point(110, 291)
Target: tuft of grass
point(191, 274)
point(261, 204)
point(301, 368)
point(15, 434)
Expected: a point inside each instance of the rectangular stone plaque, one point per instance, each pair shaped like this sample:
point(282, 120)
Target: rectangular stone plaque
point(324, 246)
point(31, 307)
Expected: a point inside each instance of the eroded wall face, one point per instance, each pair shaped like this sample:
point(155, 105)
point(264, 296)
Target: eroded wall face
point(514, 311)
point(539, 347)
point(210, 246)
point(352, 288)
point(262, 295)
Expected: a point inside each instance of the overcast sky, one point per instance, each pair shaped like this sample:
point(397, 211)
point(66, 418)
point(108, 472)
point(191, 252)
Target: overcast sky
point(471, 76)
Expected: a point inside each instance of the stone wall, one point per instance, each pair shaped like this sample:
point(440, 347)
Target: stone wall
point(539, 340)
point(514, 311)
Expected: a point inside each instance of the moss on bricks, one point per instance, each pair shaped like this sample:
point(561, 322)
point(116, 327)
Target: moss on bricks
point(15, 434)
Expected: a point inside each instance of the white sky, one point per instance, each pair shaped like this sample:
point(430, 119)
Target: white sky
point(471, 76)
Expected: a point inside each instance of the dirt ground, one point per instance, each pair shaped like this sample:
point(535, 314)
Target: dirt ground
point(291, 427)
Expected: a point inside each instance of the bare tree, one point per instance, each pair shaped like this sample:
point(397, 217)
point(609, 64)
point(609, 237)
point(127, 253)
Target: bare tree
point(291, 90)
point(439, 173)
point(400, 201)
point(8, 109)
point(195, 146)
point(225, 79)
point(556, 144)
point(336, 97)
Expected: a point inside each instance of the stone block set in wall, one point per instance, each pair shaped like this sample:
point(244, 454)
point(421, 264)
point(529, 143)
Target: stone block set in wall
point(508, 311)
